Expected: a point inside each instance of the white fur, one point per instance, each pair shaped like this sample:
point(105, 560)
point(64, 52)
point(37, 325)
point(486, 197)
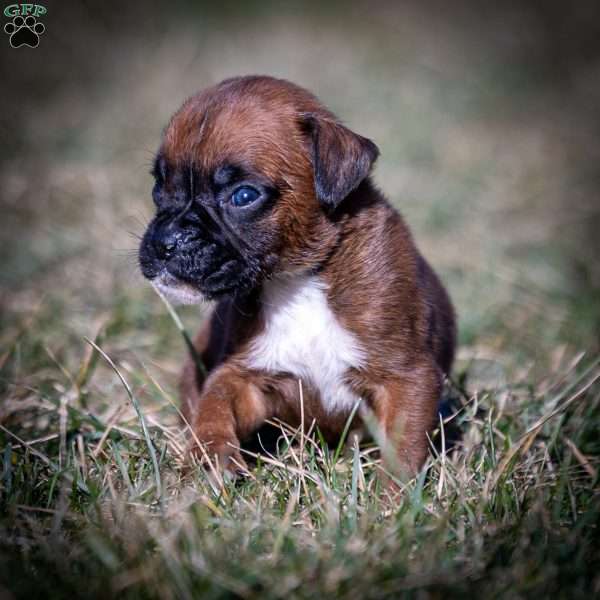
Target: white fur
point(302, 336)
point(175, 290)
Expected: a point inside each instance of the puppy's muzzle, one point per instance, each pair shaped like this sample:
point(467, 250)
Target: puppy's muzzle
point(169, 240)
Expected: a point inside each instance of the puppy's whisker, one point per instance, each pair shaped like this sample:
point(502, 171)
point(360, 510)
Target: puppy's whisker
point(135, 235)
point(131, 252)
point(140, 219)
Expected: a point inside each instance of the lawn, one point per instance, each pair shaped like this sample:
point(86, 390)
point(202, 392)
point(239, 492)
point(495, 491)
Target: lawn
point(491, 161)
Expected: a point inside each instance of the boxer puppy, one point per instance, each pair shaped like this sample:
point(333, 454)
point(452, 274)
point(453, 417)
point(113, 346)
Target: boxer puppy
point(265, 205)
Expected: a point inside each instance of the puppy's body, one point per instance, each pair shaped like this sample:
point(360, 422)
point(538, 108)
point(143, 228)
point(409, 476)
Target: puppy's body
point(374, 322)
point(328, 289)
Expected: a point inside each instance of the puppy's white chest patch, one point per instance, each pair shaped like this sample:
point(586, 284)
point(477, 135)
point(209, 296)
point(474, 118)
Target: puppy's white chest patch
point(302, 336)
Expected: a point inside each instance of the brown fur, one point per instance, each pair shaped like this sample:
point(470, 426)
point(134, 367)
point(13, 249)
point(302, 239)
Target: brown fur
point(379, 286)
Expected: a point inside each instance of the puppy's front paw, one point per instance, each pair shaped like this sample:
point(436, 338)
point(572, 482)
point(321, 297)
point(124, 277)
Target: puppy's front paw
point(218, 454)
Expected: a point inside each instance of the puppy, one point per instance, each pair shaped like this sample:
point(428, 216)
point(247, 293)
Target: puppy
point(265, 205)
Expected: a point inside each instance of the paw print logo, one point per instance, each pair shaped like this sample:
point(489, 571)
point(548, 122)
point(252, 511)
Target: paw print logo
point(24, 31)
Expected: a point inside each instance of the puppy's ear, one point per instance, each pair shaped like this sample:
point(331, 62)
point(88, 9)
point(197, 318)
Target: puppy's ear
point(341, 158)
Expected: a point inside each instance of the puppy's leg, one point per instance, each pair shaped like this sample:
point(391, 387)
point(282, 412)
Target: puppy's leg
point(406, 407)
point(230, 408)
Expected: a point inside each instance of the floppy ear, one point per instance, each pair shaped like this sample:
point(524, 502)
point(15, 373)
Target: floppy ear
point(341, 158)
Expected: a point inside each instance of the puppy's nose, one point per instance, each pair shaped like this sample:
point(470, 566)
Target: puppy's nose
point(166, 244)
point(165, 251)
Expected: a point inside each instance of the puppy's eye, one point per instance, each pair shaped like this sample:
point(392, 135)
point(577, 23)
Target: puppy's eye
point(244, 195)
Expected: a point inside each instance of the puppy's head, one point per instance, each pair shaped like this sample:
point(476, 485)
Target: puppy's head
point(248, 179)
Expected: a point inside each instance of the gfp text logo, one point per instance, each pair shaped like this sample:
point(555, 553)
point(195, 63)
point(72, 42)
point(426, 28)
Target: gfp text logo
point(24, 29)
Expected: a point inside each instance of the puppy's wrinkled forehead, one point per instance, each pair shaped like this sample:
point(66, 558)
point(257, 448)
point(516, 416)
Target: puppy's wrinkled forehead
point(253, 123)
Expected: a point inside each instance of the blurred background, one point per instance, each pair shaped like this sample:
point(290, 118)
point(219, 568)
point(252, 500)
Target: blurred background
point(487, 115)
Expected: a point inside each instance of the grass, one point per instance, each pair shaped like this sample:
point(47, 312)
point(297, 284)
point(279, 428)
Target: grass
point(98, 502)
point(493, 168)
